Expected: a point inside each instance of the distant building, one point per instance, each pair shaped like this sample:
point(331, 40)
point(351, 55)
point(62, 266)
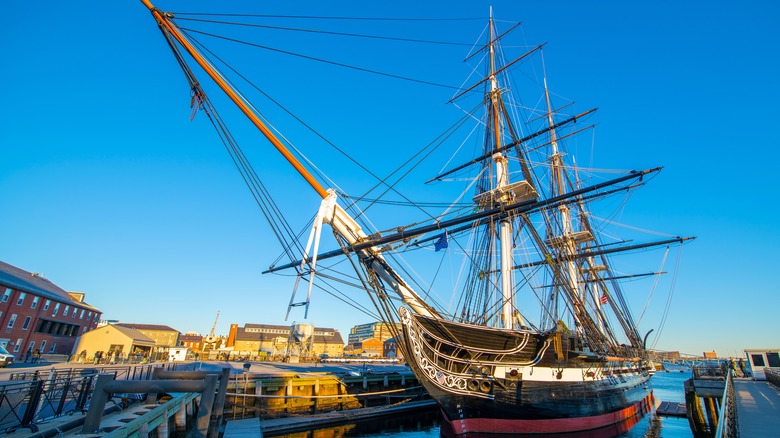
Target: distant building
point(163, 335)
point(264, 340)
point(164, 338)
point(710, 355)
point(37, 314)
point(129, 344)
point(373, 330)
point(390, 349)
point(371, 348)
point(665, 355)
point(192, 341)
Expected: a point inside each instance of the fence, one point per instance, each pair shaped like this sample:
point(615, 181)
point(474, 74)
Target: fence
point(727, 419)
point(32, 397)
point(773, 376)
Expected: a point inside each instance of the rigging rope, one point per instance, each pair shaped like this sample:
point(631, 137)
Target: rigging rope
point(325, 17)
point(325, 32)
point(655, 285)
point(325, 61)
point(669, 298)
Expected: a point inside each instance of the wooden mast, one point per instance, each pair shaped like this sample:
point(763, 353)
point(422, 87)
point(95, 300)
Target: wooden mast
point(165, 24)
point(502, 180)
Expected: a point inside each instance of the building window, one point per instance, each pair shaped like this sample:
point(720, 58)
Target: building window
point(51, 349)
point(46, 306)
point(96, 318)
point(57, 328)
point(31, 346)
point(12, 321)
point(43, 346)
point(56, 309)
point(18, 345)
point(26, 322)
point(65, 312)
point(82, 314)
point(7, 294)
point(75, 311)
point(34, 303)
point(20, 300)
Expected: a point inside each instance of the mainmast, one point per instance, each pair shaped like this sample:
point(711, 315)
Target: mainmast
point(502, 182)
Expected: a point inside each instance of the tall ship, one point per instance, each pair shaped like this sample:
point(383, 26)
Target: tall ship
point(537, 334)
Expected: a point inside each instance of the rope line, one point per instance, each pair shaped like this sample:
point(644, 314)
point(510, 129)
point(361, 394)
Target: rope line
point(365, 394)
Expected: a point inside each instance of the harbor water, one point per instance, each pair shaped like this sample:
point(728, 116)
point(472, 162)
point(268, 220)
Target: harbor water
point(667, 386)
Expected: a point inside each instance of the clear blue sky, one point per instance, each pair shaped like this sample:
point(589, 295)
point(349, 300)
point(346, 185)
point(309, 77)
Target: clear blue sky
point(108, 188)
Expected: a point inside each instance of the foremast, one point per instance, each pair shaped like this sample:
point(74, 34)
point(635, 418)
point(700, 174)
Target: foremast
point(331, 212)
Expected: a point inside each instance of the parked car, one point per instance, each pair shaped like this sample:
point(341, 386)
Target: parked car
point(6, 358)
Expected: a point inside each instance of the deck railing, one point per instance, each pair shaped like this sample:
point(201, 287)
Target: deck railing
point(727, 418)
point(773, 376)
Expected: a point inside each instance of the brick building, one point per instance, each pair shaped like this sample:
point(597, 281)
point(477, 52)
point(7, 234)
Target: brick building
point(254, 340)
point(191, 340)
point(37, 314)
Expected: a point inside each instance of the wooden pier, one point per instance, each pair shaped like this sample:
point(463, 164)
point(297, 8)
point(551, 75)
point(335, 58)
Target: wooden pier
point(725, 406)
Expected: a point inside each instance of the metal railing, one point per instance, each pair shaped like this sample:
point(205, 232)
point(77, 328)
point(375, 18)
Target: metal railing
point(773, 376)
point(29, 398)
point(122, 372)
point(727, 419)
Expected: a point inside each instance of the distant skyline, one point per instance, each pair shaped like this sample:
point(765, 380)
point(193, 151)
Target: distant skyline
point(108, 188)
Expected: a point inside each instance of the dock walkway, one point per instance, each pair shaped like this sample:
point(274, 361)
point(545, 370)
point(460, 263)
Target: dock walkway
point(758, 408)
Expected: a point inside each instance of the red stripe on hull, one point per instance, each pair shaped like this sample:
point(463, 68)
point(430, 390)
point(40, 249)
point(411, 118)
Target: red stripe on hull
point(558, 425)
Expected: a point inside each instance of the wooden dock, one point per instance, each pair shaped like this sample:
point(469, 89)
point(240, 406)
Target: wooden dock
point(758, 408)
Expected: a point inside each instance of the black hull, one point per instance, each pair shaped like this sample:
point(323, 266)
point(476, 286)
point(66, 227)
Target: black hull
point(490, 380)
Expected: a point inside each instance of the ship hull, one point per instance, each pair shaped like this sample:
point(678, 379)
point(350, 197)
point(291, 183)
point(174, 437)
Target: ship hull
point(497, 381)
point(604, 425)
point(556, 409)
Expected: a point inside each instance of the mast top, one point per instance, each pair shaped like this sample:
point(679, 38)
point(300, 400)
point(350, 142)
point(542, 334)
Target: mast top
point(166, 26)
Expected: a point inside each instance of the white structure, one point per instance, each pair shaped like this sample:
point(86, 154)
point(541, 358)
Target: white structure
point(300, 342)
point(760, 358)
point(177, 354)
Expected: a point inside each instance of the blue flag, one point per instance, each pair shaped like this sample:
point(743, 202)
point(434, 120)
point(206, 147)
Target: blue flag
point(441, 243)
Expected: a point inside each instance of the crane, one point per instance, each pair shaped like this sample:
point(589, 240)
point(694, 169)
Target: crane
point(213, 327)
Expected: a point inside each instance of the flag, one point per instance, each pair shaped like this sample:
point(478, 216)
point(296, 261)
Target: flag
point(441, 243)
point(603, 299)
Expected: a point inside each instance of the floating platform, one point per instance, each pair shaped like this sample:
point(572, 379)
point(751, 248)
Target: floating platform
point(671, 409)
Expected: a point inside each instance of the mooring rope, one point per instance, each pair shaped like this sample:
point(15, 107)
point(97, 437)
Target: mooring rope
point(365, 394)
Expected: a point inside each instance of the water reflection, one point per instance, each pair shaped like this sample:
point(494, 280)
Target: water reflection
point(419, 424)
point(611, 431)
point(666, 387)
point(428, 424)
